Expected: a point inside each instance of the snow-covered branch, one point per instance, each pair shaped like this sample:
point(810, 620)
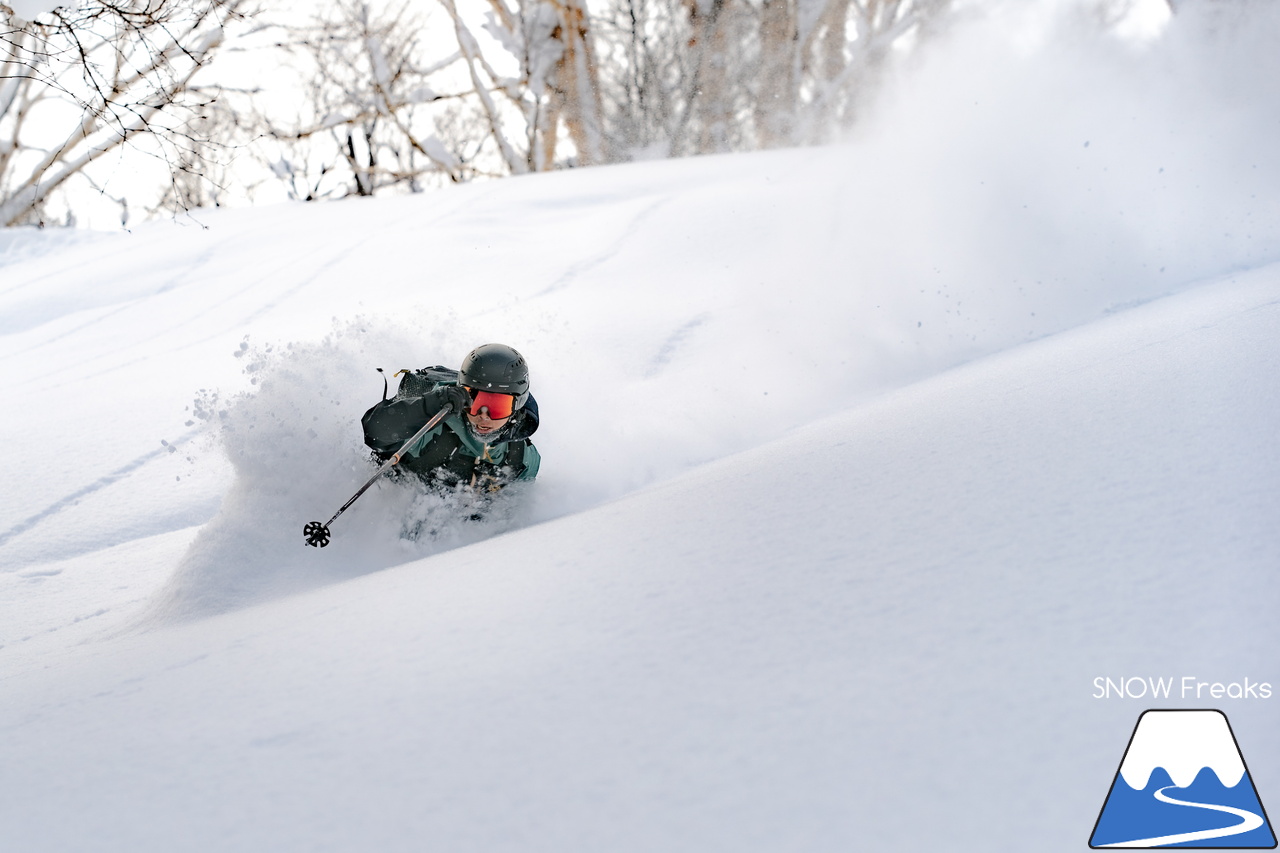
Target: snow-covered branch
point(107, 73)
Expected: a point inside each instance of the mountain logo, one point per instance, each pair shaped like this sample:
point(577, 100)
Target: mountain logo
point(1183, 783)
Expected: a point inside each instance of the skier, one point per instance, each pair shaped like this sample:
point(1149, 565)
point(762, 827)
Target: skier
point(483, 443)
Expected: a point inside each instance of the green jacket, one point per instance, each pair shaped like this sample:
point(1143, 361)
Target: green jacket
point(449, 452)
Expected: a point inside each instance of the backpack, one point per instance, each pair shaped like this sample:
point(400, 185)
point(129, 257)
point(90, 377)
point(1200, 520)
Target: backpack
point(392, 422)
point(418, 383)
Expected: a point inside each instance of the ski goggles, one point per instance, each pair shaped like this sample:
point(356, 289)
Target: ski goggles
point(500, 406)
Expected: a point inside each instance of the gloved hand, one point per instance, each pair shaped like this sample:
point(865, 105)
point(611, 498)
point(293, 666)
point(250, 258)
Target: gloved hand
point(453, 395)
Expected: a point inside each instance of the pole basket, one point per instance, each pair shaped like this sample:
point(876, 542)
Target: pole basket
point(316, 533)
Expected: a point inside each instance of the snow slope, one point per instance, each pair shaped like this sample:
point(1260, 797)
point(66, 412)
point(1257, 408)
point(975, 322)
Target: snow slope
point(740, 657)
point(856, 476)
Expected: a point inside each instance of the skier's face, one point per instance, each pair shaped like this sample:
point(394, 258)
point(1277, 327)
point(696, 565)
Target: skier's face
point(484, 424)
point(489, 410)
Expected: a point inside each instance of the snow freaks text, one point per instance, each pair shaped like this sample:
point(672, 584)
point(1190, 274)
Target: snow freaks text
point(1186, 687)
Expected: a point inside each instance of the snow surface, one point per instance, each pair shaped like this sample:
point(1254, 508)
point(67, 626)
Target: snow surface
point(860, 464)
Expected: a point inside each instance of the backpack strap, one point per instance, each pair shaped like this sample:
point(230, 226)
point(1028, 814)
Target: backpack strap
point(515, 455)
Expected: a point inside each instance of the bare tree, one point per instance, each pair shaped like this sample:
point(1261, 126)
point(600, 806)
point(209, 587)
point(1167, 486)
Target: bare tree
point(716, 45)
point(83, 80)
point(576, 83)
point(874, 29)
point(556, 87)
point(641, 105)
point(201, 175)
point(365, 121)
point(819, 58)
point(378, 107)
point(704, 76)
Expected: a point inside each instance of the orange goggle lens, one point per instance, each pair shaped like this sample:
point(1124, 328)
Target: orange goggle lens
point(499, 405)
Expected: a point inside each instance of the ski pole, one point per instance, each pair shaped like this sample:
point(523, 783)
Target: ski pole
point(317, 534)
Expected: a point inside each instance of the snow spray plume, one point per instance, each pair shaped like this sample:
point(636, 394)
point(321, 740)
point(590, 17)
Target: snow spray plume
point(295, 445)
point(1025, 173)
point(317, 534)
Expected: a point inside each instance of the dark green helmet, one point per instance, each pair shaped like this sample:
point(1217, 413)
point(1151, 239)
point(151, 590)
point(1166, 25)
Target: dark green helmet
point(497, 368)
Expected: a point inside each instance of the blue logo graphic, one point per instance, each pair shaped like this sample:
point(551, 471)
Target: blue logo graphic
point(1183, 783)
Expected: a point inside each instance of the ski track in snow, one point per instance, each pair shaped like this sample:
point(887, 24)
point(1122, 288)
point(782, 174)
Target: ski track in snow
point(58, 506)
point(672, 344)
point(304, 282)
point(53, 308)
point(576, 270)
point(194, 319)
